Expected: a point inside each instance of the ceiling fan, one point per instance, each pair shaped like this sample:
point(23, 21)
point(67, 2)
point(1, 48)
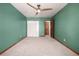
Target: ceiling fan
point(38, 9)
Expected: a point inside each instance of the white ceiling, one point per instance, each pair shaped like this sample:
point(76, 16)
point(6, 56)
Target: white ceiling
point(30, 12)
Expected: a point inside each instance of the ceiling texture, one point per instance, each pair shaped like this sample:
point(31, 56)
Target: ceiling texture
point(30, 12)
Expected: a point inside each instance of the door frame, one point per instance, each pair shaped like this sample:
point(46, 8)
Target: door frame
point(49, 22)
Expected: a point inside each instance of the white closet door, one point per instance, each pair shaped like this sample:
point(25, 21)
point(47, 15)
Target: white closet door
point(32, 28)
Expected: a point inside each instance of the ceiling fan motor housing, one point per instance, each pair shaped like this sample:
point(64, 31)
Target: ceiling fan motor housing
point(38, 6)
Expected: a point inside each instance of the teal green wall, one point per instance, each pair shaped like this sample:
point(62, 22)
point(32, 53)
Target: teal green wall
point(38, 18)
point(41, 28)
point(67, 26)
point(12, 26)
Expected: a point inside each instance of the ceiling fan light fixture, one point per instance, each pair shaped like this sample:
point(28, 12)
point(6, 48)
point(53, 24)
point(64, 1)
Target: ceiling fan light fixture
point(38, 11)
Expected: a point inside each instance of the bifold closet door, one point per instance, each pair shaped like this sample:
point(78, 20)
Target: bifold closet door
point(32, 28)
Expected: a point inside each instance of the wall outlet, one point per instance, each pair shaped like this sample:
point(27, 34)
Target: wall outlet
point(64, 39)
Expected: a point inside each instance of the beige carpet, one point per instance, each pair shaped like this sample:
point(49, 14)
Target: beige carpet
point(42, 46)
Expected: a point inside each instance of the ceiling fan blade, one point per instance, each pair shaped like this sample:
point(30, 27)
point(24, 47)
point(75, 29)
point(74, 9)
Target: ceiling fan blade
point(46, 9)
point(32, 6)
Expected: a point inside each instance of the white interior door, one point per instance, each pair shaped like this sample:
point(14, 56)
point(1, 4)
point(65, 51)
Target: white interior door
point(32, 28)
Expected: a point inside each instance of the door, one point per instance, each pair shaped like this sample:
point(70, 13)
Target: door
point(49, 28)
point(52, 28)
point(32, 28)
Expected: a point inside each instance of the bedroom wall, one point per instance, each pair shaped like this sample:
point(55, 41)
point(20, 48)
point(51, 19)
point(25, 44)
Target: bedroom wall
point(12, 26)
point(41, 23)
point(41, 28)
point(67, 26)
